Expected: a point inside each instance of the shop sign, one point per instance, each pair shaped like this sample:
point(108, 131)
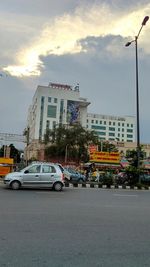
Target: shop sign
point(105, 157)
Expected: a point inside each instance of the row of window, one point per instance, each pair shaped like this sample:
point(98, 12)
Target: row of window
point(113, 139)
point(111, 129)
point(111, 123)
point(113, 134)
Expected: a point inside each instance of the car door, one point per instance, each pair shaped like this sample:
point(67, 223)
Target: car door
point(31, 176)
point(48, 175)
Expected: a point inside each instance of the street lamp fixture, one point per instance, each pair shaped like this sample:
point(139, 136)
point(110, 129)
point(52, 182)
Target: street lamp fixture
point(137, 91)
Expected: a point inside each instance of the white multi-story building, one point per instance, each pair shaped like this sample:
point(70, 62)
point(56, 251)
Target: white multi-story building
point(61, 104)
point(55, 104)
point(113, 128)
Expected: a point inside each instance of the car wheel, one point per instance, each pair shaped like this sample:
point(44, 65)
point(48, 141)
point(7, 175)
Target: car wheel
point(57, 186)
point(15, 185)
point(80, 180)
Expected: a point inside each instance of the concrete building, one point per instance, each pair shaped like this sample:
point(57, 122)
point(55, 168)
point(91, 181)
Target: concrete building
point(55, 104)
point(61, 104)
point(112, 127)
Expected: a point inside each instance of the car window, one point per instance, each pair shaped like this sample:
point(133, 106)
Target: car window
point(48, 169)
point(34, 169)
point(61, 168)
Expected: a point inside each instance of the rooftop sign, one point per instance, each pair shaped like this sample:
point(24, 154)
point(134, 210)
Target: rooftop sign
point(61, 86)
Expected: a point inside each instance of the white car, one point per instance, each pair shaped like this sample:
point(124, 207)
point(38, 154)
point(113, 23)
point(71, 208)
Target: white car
point(37, 175)
point(66, 173)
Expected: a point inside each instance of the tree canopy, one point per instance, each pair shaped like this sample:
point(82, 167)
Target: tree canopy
point(72, 142)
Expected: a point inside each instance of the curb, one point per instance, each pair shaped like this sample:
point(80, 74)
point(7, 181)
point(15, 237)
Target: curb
point(92, 185)
point(95, 185)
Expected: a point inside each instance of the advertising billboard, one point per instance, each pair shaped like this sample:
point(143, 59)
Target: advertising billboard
point(105, 157)
point(72, 111)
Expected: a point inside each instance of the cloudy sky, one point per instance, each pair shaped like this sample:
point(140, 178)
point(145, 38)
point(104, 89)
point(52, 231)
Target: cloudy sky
point(74, 41)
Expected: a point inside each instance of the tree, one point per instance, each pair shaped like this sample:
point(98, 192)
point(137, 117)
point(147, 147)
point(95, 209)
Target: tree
point(132, 171)
point(131, 155)
point(2, 151)
point(14, 153)
point(107, 146)
point(73, 140)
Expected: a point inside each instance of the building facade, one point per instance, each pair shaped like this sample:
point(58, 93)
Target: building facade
point(53, 105)
point(61, 104)
point(112, 128)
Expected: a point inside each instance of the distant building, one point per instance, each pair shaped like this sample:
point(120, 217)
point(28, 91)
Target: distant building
point(61, 104)
point(112, 128)
point(53, 105)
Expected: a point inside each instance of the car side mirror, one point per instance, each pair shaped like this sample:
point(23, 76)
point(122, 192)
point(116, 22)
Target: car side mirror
point(26, 171)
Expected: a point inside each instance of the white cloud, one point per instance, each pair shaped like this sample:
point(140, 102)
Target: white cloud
point(63, 35)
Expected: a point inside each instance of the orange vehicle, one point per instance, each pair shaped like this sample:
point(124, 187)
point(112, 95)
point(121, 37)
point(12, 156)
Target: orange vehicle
point(6, 166)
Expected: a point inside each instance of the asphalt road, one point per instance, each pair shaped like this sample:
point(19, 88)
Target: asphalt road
point(76, 227)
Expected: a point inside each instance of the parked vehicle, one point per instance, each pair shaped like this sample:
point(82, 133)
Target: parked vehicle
point(36, 175)
point(145, 178)
point(65, 172)
point(76, 176)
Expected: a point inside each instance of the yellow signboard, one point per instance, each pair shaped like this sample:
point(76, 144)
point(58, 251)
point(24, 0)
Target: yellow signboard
point(105, 157)
point(6, 161)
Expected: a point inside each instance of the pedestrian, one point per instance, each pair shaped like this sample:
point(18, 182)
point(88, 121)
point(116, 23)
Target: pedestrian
point(97, 176)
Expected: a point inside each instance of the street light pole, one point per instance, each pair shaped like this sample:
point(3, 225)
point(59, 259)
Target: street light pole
point(66, 153)
point(137, 92)
point(137, 105)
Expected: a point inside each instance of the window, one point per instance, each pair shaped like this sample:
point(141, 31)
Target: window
point(127, 124)
point(104, 122)
point(51, 111)
point(122, 129)
point(109, 122)
point(47, 124)
point(100, 122)
point(132, 125)
point(87, 121)
point(96, 127)
point(129, 136)
point(118, 129)
point(113, 123)
point(118, 123)
point(96, 121)
point(111, 128)
point(54, 124)
point(118, 134)
point(129, 130)
point(34, 169)
point(122, 124)
point(101, 133)
point(111, 134)
point(122, 135)
point(55, 100)
point(129, 140)
point(49, 99)
point(92, 121)
point(41, 117)
point(61, 110)
point(48, 169)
